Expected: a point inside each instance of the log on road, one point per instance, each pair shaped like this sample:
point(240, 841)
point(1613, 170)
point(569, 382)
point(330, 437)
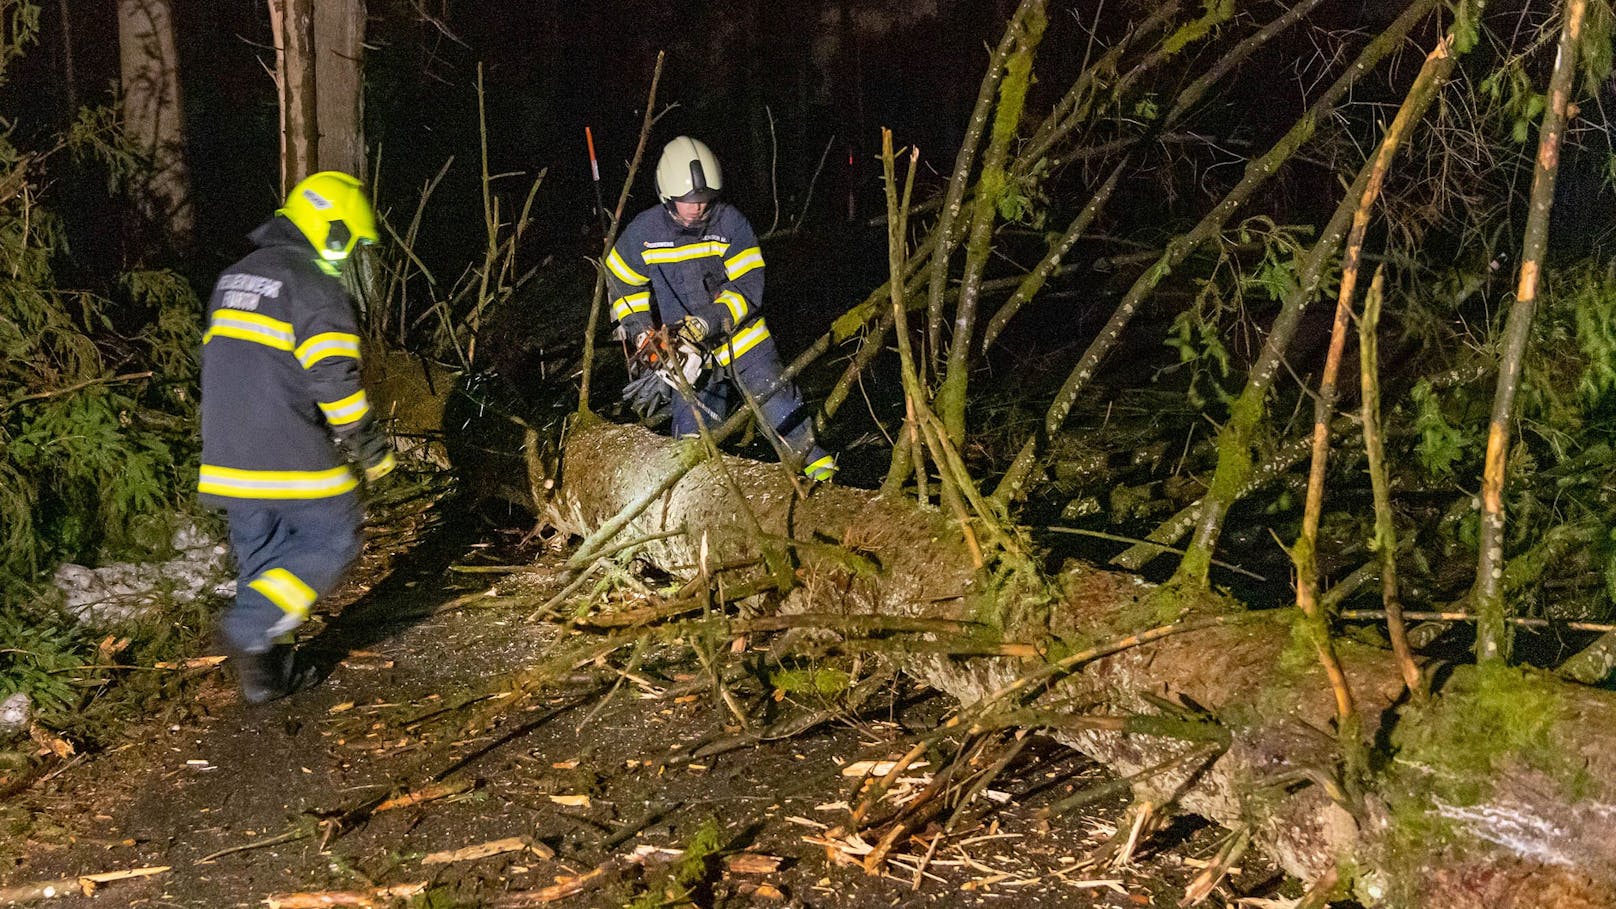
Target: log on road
point(1500, 793)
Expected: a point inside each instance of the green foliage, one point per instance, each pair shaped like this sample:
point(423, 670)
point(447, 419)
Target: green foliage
point(1590, 294)
point(1513, 98)
point(97, 135)
point(1213, 14)
point(688, 873)
point(1200, 345)
point(1594, 52)
point(1441, 445)
point(96, 426)
point(19, 27)
point(822, 682)
point(39, 655)
point(1467, 24)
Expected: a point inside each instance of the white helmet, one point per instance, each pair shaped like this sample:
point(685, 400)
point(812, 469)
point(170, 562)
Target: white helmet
point(688, 172)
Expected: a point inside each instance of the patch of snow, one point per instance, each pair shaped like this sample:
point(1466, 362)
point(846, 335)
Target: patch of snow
point(15, 712)
point(121, 592)
point(1521, 832)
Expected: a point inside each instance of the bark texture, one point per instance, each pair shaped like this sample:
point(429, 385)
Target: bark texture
point(339, 49)
point(1486, 799)
point(293, 24)
point(153, 116)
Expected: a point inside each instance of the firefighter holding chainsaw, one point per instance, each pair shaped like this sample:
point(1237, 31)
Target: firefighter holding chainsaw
point(686, 280)
point(282, 411)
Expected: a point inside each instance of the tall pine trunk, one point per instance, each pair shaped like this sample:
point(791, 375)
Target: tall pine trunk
point(292, 22)
point(155, 122)
point(339, 50)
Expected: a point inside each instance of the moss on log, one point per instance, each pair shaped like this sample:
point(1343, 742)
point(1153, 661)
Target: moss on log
point(1500, 793)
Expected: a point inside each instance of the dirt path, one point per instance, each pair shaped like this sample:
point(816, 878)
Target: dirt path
point(573, 788)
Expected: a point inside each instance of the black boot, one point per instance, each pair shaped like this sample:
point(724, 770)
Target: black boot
point(270, 675)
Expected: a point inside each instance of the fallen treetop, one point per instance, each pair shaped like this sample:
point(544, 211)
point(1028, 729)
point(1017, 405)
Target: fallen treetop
point(1499, 792)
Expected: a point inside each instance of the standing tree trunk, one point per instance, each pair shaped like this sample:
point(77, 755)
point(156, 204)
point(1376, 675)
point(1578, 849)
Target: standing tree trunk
point(153, 117)
point(1492, 631)
point(339, 51)
point(292, 22)
point(70, 80)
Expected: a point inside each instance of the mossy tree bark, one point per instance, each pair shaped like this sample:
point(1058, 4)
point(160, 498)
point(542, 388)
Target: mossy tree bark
point(1492, 631)
point(990, 187)
point(1258, 171)
point(1500, 795)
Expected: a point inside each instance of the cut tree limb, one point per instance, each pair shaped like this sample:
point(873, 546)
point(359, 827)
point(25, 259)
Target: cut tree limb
point(1513, 827)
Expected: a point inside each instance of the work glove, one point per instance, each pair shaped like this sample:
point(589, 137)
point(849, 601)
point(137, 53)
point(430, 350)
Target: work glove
point(375, 454)
point(692, 330)
point(648, 395)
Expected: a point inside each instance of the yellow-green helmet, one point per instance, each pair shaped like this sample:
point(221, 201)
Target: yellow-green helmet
point(330, 209)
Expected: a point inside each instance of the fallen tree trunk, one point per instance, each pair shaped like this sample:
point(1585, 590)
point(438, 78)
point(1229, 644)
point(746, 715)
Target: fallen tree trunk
point(1500, 793)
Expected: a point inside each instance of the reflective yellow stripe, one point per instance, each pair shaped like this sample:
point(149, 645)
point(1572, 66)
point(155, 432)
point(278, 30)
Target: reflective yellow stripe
point(381, 468)
point(747, 260)
point(327, 344)
point(285, 590)
point(347, 410)
point(736, 304)
point(249, 326)
point(623, 306)
point(741, 342)
point(684, 253)
point(623, 272)
point(235, 483)
point(821, 468)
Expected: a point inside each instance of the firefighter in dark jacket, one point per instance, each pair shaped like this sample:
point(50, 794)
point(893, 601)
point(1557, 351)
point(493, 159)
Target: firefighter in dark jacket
point(282, 413)
point(693, 266)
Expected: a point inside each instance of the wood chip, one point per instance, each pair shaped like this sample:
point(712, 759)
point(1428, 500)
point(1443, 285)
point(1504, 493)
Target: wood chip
point(206, 662)
point(565, 886)
point(751, 863)
point(478, 851)
point(364, 899)
point(572, 801)
point(876, 768)
point(49, 742)
point(90, 881)
point(428, 793)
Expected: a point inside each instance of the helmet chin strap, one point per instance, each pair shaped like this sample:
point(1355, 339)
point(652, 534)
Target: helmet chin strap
point(672, 206)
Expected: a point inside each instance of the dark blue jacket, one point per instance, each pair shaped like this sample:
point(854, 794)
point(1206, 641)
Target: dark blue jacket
point(714, 271)
point(280, 378)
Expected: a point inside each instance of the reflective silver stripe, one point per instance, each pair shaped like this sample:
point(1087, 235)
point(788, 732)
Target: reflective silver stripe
point(347, 410)
point(235, 483)
point(327, 344)
point(633, 303)
point(748, 260)
point(286, 590)
point(736, 304)
point(741, 342)
point(250, 326)
point(684, 253)
point(623, 272)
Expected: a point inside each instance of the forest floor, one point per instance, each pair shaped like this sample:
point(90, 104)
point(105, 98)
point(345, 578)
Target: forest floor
point(571, 790)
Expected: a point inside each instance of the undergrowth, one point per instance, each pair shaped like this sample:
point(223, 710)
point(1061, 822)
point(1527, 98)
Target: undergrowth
point(97, 431)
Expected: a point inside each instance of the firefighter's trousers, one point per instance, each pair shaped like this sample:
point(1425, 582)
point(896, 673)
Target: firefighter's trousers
point(756, 371)
point(287, 555)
